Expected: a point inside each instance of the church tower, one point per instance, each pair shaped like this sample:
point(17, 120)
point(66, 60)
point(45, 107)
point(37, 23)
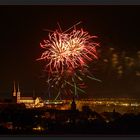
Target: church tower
point(18, 95)
point(73, 104)
point(14, 93)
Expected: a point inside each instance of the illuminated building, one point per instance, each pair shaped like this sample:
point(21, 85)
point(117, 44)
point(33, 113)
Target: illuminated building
point(14, 94)
point(18, 95)
point(28, 101)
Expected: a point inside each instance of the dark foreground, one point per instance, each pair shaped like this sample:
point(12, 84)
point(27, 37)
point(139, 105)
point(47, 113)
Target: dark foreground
point(17, 120)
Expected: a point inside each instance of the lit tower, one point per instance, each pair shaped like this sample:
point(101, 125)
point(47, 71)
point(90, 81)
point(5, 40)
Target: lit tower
point(18, 95)
point(14, 93)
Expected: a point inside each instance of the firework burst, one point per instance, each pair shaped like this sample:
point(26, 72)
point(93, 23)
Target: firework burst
point(67, 55)
point(63, 50)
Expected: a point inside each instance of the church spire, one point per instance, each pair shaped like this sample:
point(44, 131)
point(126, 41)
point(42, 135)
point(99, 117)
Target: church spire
point(18, 87)
point(18, 94)
point(14, 92)
point(73, 104)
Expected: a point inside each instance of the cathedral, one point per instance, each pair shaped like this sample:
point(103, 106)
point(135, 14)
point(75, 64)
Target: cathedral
point(28, 101)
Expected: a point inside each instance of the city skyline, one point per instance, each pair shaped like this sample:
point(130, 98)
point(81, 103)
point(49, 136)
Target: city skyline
point(22, 29)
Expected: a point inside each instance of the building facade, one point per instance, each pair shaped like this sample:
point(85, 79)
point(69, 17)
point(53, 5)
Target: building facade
point(28, 101)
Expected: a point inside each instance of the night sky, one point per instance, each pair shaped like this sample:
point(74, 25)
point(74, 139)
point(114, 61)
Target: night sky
point(21, 31)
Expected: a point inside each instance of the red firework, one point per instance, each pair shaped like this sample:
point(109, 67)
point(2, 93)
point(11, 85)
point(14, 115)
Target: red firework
point(65, 50)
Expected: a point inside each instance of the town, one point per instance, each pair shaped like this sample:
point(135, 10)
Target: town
point(33, 115)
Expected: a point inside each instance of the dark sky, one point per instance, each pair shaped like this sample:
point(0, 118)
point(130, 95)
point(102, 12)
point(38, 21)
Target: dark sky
point(21, 31)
